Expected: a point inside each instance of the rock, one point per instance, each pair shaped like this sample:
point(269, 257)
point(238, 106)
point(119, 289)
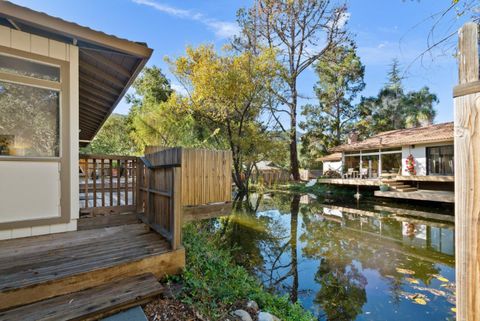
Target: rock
point(265, 316)
point(242, 314)
point(252, 305)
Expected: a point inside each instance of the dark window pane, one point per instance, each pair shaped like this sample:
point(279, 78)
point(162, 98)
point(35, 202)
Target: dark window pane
point(391, 163)
point(29, 121)
point(440, 160)
point(29, 68)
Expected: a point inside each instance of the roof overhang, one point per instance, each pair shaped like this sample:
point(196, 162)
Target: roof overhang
point(107, 65)
point(353, 148)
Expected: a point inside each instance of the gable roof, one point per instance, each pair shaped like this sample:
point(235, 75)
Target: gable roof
point(403, 137)
point(108, 65)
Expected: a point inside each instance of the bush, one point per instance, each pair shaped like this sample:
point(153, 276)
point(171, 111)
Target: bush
point(213, 283)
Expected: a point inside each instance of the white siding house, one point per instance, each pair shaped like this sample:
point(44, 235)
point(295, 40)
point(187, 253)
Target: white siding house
point(59, 82)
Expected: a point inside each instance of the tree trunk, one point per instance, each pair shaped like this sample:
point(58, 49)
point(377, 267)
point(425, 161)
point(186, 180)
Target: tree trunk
point(294, 209)
point(294, 166)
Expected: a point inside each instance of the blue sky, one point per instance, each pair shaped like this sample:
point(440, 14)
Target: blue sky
point(384, 29)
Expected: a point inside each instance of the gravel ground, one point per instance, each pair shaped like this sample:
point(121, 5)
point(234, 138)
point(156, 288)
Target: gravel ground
point(169, 310)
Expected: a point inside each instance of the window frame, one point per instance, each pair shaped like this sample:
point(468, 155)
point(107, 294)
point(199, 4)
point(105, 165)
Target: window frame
point(64, 157)
point(428, 158)
point(61, 87)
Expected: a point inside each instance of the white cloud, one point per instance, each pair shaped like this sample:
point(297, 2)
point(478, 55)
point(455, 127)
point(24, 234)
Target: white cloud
point(222, 29)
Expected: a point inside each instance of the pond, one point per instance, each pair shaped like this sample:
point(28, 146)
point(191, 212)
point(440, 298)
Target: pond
point(347, 260)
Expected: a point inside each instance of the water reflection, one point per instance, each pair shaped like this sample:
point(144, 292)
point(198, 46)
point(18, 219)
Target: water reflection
point(364, 261)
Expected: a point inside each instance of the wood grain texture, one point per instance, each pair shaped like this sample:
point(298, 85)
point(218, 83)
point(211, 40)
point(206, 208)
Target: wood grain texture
point(91, 303)
point(467, 177)
point(41, 267)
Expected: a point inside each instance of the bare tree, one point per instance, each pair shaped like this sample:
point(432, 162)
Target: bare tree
point(443, 25)
point(302, 32)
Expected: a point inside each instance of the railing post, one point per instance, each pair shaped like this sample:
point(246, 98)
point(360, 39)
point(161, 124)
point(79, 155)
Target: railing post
point(467, 176)
point(176, 218)
point(139, 180)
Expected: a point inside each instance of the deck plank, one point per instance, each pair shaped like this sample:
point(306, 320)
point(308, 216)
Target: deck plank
point(37, 268)
point(89, 303)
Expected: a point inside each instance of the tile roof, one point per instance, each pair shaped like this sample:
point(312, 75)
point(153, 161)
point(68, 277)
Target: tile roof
point(403, 137)
point(330, 158)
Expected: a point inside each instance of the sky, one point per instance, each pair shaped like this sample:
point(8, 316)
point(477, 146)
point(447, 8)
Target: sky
point(383, 30)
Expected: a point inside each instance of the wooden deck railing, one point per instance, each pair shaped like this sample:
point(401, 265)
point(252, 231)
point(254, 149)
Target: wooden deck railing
point(162, 187)
point(107, 184)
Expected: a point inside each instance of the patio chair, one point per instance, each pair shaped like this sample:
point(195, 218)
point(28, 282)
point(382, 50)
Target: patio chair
point(349, 173)
point(364, 173)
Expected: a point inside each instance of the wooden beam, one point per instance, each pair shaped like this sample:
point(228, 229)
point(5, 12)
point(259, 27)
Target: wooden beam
point(97, 92)
point(90, 103)
point(466, 89)
point(84, 66)
point(98, 84)
point(91, 115)
point(84, 106)
point(467, 180)
point(106, 62)
point(101, 101)
point(88, 124)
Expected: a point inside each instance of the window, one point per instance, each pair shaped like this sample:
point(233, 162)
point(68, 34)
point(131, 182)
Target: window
point(29, 68)
point(29, 109)
point(440, 160)
point(391, 163)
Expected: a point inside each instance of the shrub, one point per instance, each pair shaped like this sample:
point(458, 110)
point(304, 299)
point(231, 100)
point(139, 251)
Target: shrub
point(213, 283)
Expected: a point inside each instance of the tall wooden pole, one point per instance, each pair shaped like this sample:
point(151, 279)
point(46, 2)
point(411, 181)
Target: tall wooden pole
point(467, 176)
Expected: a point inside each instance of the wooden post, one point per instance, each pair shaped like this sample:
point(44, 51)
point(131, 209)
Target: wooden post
point(467, 176)
point(176, 219)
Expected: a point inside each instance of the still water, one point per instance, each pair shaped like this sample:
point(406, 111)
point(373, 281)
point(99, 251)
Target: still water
point(348, 260)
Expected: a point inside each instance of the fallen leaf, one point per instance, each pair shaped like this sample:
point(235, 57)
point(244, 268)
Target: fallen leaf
point(454, 310)
point(442, 279)
point(405, 271)
point(412, 280)
point(420, 301)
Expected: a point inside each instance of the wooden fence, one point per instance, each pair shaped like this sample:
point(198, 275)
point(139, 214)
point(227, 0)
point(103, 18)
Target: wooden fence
point(467, 175)
point(206, 174)
point(162, 187)
point(178, 182)
point(107, 184)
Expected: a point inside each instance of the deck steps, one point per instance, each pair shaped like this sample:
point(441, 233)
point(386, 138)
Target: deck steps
point(399, 186)
point(39, 268)
point(90, 304)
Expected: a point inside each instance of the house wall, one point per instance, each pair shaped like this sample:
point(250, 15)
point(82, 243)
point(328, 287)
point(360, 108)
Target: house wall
point(31, 190)
point(419, 153)
point(332, 166)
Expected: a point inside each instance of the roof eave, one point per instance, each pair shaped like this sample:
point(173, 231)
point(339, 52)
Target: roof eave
point(73, 30)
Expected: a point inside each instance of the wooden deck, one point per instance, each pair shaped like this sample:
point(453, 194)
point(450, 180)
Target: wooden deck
point(420, 195)
point(351, 181)
point(39, 268)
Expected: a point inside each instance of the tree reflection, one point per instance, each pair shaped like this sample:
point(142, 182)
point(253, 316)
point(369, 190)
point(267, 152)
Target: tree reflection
point(342, 293)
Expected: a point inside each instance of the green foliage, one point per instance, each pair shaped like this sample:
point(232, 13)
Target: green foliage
point(395, 109)
point(226, 95)
point(340, 75)
point(113, 138)
point(213, 283)
point(301, 33)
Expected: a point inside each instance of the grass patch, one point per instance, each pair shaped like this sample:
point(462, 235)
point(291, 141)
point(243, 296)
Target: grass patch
point(213, 283)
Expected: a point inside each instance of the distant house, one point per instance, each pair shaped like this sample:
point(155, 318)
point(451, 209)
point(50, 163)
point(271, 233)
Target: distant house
point(332, 162)
point(268, 173)
point(414, 163)
point(430, 148)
